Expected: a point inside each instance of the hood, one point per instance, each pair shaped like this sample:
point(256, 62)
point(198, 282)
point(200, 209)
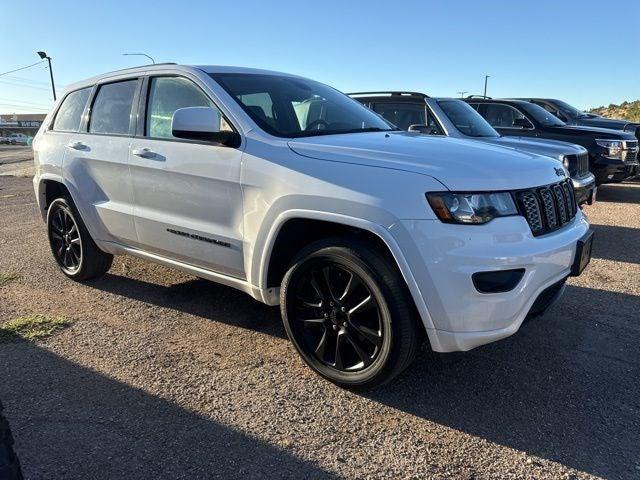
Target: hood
point(593, 132)
point(462, 165)
point(603, 122)
point(540, 146)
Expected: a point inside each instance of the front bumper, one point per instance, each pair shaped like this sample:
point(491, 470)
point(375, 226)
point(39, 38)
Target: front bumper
point(444, 257)
point(585, 188)
point(607, 170)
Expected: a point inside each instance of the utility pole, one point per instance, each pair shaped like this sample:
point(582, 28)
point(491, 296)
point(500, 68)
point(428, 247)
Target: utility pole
point(486, 77)
point(43, 55)
point(462, 93)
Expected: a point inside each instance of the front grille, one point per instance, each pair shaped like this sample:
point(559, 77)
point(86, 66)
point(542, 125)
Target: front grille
point(547, 208)
point(578, 164)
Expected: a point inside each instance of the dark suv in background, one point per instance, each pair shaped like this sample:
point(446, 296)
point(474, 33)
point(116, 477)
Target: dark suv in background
point(574, 116)
point(613, 154)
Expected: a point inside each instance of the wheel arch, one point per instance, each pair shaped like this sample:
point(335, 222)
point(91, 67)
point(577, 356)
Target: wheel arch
point(48, 188)
point(274, 263)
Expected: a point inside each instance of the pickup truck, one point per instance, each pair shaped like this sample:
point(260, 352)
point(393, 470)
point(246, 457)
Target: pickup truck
point(613, 154)
point(574, 116)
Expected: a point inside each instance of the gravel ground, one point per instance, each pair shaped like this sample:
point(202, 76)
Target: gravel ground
point(16, 160)
point(166, 376)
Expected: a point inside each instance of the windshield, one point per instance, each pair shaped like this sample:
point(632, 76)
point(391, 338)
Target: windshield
point(568, 110)
point(466, 119)
point(297, 107)
point(543, 117)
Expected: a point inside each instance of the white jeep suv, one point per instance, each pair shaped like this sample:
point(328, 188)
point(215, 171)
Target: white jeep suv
point(366, 236)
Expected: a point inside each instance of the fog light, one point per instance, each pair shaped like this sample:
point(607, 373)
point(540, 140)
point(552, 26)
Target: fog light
point(499, 281)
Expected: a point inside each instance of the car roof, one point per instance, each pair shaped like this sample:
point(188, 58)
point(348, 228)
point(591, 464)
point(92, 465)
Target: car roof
point(391, 94)
point(515, 101)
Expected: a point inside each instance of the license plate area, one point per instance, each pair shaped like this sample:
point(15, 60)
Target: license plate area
point(583, 254)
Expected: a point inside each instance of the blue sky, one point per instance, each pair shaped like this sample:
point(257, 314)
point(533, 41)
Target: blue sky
point(573, 50)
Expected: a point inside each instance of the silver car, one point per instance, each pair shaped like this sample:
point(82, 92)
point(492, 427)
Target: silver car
point(451, 117)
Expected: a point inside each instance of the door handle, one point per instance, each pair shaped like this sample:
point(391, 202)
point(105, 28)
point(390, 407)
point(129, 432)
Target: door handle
point(77, 145)
point(143, 152)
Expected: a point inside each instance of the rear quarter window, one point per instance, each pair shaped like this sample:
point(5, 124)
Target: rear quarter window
point(69, 115)
point(112, 108)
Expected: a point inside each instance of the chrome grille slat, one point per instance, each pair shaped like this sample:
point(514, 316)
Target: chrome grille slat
point(547, 208)
point(583, 164)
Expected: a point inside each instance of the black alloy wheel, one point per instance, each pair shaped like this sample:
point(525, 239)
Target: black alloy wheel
point(66, 243)
point(74, 250)
point(337, 317)
point(348, 312)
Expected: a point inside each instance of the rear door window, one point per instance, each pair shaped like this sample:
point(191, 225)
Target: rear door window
point(112, 110)
point(69, 115)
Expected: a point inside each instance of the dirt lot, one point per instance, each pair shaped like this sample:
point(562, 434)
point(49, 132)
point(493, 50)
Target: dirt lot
point(162, 375)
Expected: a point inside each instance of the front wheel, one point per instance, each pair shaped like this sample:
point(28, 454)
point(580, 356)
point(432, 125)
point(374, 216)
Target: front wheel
point(74, 250)
point(348, 313)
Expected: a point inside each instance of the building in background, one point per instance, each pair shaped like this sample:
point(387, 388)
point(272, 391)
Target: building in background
point(16, 124)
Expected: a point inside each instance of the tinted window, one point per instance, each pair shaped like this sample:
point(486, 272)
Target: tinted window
point(168, 94)
point(296, 107)
point(501, 116)
point(70, 114)
point(111, 111)
point(466, 119)
point(542, 116)
point(404, 115)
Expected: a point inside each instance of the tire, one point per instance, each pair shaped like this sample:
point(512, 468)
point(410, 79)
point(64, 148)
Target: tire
point(72, 247)
point(370, 330)
point(9, 465)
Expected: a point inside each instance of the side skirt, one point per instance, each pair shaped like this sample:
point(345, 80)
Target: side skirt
point(242, 285)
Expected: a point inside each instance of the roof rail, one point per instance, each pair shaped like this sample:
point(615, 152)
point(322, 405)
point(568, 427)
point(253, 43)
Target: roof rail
point(392, 93)
point(478, 96)
point(140, 66)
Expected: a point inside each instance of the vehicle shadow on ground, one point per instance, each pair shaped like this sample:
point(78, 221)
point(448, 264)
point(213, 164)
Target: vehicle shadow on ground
point(622, 243)
point(627, 192)
point(564, 388)
point(76, 423)
point(200, 298)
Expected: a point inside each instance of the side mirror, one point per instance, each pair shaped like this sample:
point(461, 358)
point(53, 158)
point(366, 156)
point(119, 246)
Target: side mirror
point(418, 127)
point(202, 123)
point(522, 123)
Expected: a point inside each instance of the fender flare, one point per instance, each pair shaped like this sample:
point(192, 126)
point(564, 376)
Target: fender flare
point(374, 228)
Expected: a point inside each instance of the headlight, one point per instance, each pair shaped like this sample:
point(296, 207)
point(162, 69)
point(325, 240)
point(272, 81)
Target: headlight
point(613, 147)
point(565, 162)
point(471, 208)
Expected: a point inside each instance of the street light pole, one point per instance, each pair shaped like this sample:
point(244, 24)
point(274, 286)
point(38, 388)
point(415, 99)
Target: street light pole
point(141, 54)
point(486, 77)
point(462, 93)
point(43, 55)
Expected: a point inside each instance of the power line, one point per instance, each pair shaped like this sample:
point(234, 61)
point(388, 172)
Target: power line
point(14, 84)
point(26, 103)
point(23, 107)
point(26, 80)
point(22, 68)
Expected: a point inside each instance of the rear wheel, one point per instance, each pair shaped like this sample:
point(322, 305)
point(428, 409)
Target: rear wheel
point(348, 313)
point(73, 248)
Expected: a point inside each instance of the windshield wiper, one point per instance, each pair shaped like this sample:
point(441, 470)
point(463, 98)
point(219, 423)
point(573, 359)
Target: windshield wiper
point(316, 133)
